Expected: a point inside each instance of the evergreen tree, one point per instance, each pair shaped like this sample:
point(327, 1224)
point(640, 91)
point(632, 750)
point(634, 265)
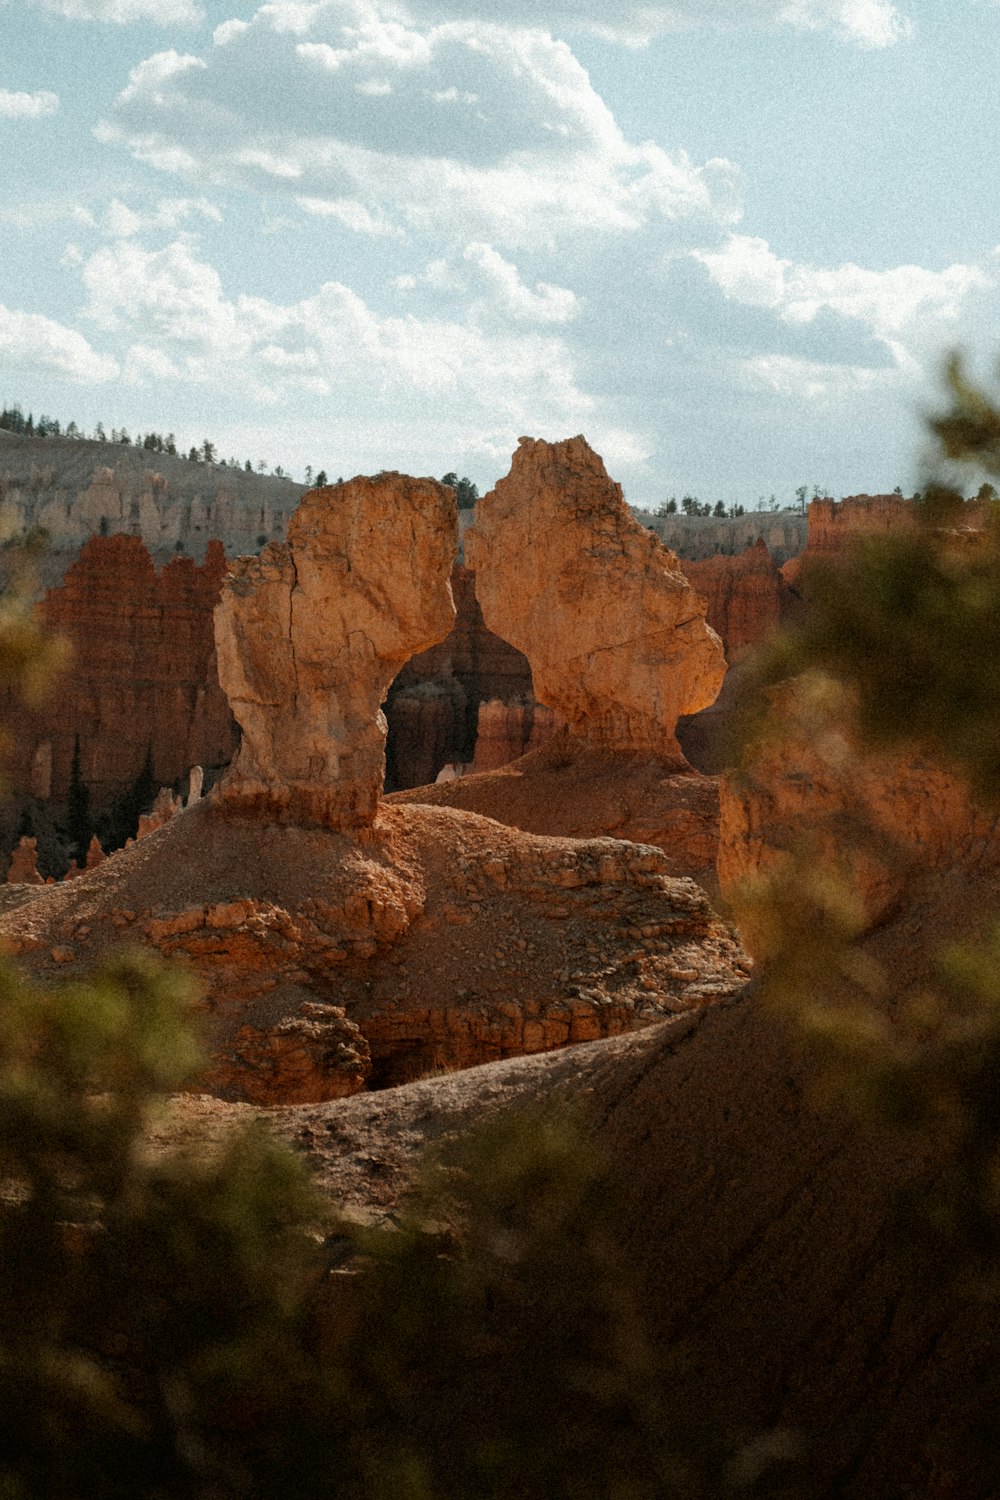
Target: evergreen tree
point(78, 821)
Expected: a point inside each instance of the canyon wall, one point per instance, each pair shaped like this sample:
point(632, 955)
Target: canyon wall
point(140, 688)
point(435, 704)
point(75, 490)
point(743, 595)
point(694, 538)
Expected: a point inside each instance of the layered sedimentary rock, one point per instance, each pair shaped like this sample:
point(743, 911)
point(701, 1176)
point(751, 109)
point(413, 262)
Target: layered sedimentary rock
point(743, 596)
point(884, 818)
point(78, 489)
point(746, 599)
point(505, 731)
point(141, 679)
point(568, 788)
point(311, 634)
point(694, 538)
point(426, 730)
point(435, 707)
point(485, 665)
point(441, 941)
point(615, 635)
point(834, 526)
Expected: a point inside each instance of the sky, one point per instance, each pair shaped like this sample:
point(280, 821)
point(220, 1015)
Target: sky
point(730, 241)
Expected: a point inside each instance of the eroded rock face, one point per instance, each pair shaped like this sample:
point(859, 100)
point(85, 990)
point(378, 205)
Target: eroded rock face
point(835, 526)
point(442, 940)
point(141, 679)
point(435, 709)
point(743, 595)
point(310, 635)
point(24, 864)
point(886, 817)
point(506, 731)
point(615, 635)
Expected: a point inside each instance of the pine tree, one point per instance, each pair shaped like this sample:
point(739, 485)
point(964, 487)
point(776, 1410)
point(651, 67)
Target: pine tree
point(78, 821)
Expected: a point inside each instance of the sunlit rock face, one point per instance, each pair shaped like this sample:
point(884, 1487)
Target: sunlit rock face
point(743, 595)
point(615, 635)
point(311, 633)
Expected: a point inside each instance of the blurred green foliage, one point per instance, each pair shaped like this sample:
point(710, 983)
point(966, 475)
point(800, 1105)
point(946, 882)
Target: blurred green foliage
point(899, 649)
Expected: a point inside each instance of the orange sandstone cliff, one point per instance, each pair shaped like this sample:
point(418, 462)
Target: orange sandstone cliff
point(338, 941)
point(141, 679)
point(618, 647)
point(743, 596)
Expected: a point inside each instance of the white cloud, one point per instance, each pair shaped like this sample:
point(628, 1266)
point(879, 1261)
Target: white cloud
point(122, 222)
point(169, 308)
point(889, 302)
point(351, 214)
point(490, 287)
point(20, 106)
point(807, 380)
point(465, 128)
point(868, 23)
point(33, 342)
point(545, 304)
point(872, 23)
point(121, 12)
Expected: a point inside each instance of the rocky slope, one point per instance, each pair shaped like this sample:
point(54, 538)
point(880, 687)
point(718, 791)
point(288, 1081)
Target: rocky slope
point(442, 941)
point(568, 788)
point(76, 490)
point(762, 1232)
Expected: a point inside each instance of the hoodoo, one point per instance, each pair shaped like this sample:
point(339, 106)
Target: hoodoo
point(616, 637)
point(310, 634)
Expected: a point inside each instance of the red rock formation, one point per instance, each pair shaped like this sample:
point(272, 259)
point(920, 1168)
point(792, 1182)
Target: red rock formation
point(142, 677)
point(485, 665)
point(434, 708)
point(567, 788)
point(445, 939)
point(506, 731)
point(616, 636)
point(24, 864)
point(835, 525)
point(165, 807)
point(427, 730)
point(743, 596)
point(884, 818)
point(311, 634)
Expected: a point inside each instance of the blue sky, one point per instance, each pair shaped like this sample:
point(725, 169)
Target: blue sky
point(728, 240)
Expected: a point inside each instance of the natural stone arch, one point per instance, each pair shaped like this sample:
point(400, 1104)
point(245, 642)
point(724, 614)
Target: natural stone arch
point(310, 634)
point(616, 637)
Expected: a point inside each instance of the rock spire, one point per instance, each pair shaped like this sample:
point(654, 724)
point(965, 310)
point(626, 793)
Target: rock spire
point(615, 635)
